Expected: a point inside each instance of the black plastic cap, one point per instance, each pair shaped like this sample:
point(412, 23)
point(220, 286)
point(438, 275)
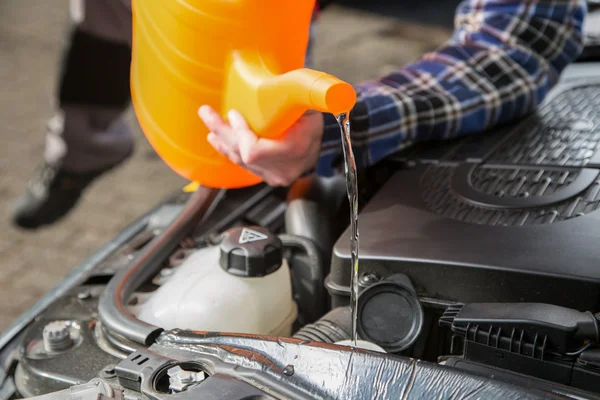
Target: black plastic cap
point(250, 252)
point(389, 314)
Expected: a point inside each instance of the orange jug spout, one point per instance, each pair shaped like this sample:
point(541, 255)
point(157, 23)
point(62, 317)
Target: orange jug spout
point(329, 94)
point(316, 90)
point(272, 102)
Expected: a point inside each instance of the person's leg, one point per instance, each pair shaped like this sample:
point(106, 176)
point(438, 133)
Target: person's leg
point(87, 135)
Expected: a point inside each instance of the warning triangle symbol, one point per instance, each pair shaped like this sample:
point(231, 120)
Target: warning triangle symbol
point(249, 236)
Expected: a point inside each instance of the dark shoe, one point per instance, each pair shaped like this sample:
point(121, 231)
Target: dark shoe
point(50, 195)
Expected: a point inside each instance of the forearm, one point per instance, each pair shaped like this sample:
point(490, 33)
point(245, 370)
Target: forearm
point(501, 62)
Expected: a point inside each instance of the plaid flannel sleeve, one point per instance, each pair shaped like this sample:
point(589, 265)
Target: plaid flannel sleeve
point(503, 58)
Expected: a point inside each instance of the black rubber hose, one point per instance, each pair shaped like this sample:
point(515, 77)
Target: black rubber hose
point(333, 327)
point(312, 297)
point(111, 308)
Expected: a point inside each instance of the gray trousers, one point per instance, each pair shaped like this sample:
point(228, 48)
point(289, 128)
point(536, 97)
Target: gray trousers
point(86, 135)
point(88, 132)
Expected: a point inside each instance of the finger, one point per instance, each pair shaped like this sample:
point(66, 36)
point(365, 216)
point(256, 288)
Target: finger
point(217, 144)
point(219, 127)
point(271, 178)
point(212, 119)
point(256, 150)
point(237, 120)
point(245, 138)
point(229, 138)
point(224, 149)
point(252, 149)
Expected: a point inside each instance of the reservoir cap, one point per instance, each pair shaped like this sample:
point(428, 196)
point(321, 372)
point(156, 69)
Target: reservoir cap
point(390, 314)
point(250, 252)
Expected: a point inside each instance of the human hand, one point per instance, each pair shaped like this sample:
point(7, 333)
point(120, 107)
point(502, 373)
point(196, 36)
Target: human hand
point(278, 162)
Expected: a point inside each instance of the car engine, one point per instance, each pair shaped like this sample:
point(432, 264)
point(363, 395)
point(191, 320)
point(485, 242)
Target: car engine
point(478, 278)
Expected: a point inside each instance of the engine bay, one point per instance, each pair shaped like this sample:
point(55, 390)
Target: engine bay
point(477, 275)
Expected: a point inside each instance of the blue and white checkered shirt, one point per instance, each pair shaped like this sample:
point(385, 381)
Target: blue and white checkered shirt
point(503, 58)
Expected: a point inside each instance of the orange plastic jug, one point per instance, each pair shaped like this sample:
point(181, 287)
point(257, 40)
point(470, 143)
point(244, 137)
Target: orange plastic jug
point(230, 54)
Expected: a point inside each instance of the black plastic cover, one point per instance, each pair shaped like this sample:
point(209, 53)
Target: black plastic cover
point(507, 216)
point(519, 379)
point(250, 252)
point(389, 314)
point(560, 329)
point(537, 340)
point(586, 373)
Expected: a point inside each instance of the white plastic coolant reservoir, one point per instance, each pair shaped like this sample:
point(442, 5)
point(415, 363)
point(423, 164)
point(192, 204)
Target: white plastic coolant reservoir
point(241, 286)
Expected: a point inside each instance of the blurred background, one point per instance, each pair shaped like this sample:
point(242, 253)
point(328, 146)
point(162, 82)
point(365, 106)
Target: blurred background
point(356, 40)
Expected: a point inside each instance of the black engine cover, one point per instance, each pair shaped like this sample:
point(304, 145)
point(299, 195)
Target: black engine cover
point(508, 216)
